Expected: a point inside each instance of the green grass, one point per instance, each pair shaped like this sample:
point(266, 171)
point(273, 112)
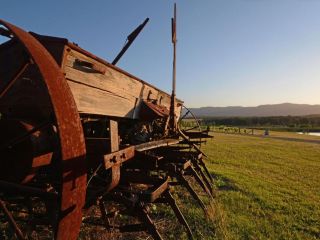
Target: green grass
point(268, 188)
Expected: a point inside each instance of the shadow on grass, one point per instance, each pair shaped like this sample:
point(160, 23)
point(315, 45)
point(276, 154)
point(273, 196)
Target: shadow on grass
point(224, 184)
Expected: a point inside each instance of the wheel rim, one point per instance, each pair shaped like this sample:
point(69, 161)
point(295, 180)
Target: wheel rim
point(71, 139)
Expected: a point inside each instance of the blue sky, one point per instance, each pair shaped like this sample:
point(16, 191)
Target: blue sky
point(230, 52)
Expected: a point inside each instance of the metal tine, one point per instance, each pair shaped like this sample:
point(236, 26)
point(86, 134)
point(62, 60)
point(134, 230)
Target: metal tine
point(198, 169)
point(172, 202)
point(206, 169)
point(190, 143)
point(104, 214)
point(12, 221)
point(185, 183)
point(196, 164)
point(144, 217)
point(190, 171)
point(199, 180)
point(139, 210)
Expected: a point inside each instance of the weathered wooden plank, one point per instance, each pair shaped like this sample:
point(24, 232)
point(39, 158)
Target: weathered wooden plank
point(96, 101)
point(114, 136)
point(108, 83)
point(95, 81)
point(111, 80)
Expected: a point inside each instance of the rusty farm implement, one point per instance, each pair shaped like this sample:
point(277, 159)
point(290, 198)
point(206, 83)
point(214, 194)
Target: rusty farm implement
point(78, 135)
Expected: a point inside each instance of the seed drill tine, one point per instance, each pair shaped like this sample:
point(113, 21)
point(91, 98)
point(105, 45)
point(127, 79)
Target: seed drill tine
point(144, 217)
point(185, 183)
point(172, 202)
point(199, 180)
point(205, 179)
point(198, 150)
point(190, 143)
point(104, 214)
point(11, 221)
point(206, 169)
point(203, 176)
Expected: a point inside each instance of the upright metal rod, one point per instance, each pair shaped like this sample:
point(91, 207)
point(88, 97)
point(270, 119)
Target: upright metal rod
point(172, 117)
point(174, 41)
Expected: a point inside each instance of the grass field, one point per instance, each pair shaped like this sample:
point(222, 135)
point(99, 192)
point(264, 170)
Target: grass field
point(267, 188)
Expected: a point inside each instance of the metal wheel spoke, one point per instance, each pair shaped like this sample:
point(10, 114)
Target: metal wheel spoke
point(189, 129)
point(14, 79)
point(22, 137)
point(186, 114)
point(193, 116)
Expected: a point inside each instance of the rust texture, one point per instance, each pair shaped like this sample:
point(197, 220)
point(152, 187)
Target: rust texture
point(72, 145)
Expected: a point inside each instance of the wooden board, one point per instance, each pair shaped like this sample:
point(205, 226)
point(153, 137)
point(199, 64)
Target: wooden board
point(107, 91)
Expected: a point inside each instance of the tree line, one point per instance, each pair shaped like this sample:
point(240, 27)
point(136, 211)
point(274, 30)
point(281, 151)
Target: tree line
point(294, 122)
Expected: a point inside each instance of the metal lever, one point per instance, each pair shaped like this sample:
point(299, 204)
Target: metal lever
point(130, 40)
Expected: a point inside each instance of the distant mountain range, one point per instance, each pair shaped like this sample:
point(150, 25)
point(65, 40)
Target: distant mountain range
point(283, 109)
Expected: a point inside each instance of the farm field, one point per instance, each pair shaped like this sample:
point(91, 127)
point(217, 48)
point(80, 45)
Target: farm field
point(268, 188)
point(275, 134)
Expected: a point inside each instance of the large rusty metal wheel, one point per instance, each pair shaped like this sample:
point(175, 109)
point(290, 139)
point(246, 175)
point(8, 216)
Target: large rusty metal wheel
point(18, 136)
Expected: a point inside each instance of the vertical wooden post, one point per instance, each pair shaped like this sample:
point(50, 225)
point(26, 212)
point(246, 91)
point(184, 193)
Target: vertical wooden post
point(114, 146)
point(114, 136)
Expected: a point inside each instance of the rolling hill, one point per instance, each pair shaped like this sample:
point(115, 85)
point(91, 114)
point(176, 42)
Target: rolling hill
point(283, 109)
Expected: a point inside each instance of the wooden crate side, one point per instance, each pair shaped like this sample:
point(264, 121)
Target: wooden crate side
point(95, 101)
point(117, 88)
